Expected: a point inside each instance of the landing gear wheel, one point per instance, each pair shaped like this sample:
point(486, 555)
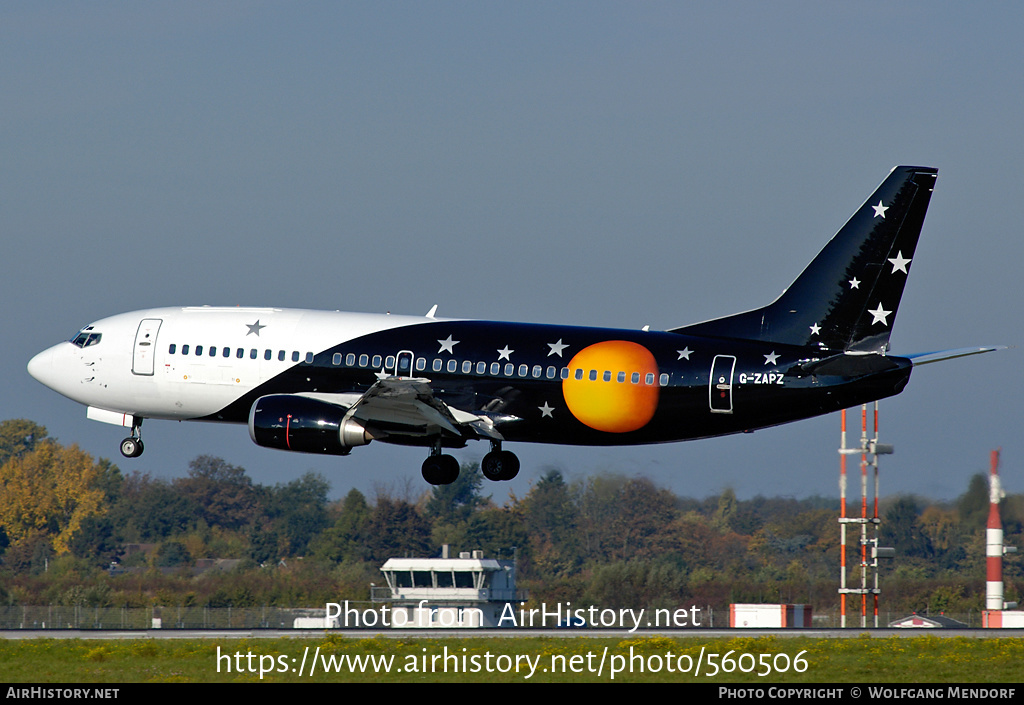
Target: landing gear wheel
point(132, 447)
point(500, 465)
point(440, 469)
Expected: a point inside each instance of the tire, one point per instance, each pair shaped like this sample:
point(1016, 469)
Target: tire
point(440, 469)
point(500, 465)
point(509, 465)
point(131, 447)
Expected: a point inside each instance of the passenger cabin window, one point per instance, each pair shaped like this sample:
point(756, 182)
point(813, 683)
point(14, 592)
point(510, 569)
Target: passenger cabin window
point(309, 358)
point(253, 353)
point(268, 354)
point(199, 350)
point(213, 351)
point(184, 349)
point(364, 360)
point(295, 355)
point(226, 352)
point(171, 349)
point(280, 355)
point(240, 353)
point(438, 363)
point(350, 359)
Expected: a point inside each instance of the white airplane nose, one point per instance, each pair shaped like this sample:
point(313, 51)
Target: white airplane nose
point(41, 367)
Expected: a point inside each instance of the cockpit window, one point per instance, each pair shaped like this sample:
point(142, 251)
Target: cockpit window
point(86, 337)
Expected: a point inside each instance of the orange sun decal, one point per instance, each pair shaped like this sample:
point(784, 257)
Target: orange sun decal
point(599, 399)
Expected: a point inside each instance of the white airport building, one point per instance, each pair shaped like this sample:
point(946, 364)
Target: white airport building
point(447, 593)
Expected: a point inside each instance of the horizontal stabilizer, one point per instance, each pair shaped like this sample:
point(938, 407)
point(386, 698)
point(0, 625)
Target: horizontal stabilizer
point(849, 365)
point(926, 358)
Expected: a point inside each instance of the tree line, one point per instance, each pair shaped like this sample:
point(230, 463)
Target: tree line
point(74, 530)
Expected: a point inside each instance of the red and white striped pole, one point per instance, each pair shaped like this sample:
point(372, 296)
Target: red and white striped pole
point(994, 541)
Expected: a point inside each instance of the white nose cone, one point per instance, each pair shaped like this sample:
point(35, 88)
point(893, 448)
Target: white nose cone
point(41, 367)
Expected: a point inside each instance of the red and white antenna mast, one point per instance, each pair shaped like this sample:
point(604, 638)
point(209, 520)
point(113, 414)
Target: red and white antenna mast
point(994, 541)
point(997, 613)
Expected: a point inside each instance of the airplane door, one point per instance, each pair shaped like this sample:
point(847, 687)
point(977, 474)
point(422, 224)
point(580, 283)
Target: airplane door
point(403, 364)
point(720, 385)
point(145, 346)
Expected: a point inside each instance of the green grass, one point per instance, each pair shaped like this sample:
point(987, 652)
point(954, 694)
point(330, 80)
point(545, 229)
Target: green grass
point(925, 659)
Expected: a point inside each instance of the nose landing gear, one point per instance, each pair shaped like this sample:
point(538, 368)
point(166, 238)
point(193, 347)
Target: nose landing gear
point(132, 447)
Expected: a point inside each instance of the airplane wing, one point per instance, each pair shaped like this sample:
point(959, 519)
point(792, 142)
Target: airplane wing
point(929, 357)
point(406, 406)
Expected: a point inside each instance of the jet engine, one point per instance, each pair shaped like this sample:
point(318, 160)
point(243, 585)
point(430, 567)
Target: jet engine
point(291, 422)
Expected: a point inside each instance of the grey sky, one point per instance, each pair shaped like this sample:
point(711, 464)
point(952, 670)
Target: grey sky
point(612, 164)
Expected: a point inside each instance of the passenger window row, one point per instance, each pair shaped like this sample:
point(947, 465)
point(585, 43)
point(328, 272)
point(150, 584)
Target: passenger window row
point(495, 369)
point(239, 353)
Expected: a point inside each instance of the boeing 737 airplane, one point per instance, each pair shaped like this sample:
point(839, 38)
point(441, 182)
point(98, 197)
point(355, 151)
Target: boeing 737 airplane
point(326, 382)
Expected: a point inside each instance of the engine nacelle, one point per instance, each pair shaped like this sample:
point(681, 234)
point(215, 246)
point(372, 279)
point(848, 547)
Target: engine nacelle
point(291, 422)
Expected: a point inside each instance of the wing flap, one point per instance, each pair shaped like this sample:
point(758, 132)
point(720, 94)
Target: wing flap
point(406, 406)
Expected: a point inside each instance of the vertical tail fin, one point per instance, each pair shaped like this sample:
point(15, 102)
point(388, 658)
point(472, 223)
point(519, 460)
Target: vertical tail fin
point(846, 298)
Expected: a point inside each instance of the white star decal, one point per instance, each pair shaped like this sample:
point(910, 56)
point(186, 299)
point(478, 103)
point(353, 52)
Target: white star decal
point(685, 353)
point(504, 353)
point(546, 410)
point(448, 344)
point(556, 348)
point(855, 283)
point(880, 315)
point(880, 209)
point(899, 263)
point(771, 358)
point(815, 329)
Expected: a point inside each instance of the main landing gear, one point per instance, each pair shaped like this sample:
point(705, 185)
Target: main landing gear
point(499, 464)
point(132, 447)
point(440, 469)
